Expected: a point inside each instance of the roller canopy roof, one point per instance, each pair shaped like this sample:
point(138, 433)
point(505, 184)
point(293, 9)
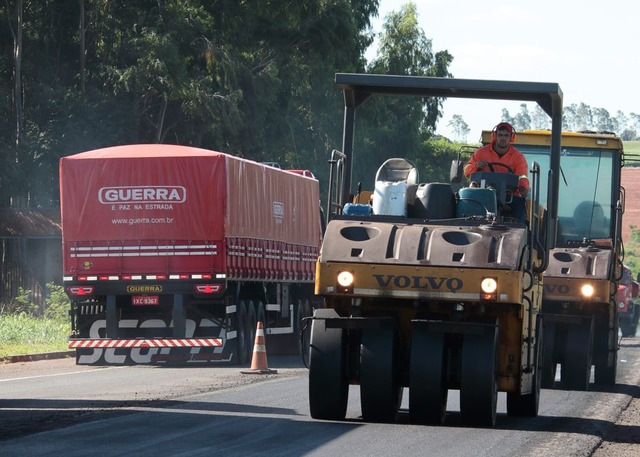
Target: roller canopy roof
point(359, 87)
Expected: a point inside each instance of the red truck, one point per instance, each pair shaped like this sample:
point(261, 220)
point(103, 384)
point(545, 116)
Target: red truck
point(628, 310)
point(172, 254)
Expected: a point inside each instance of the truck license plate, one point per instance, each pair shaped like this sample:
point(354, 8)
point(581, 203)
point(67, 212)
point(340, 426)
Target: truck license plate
point(144, 300)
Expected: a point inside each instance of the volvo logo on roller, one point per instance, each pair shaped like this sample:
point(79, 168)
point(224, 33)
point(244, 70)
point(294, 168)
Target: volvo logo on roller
point(142, 194)
point(419, 282)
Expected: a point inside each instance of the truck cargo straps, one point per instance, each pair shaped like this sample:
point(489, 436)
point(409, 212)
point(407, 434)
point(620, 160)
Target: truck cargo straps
point(145, 343)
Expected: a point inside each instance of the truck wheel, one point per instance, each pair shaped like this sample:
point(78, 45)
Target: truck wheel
point(328, 382)
point(627, 328)
point(605, 367)
point(605, 374)
point(252, 325)
point(261, 315)
point(380, 389)
point(479, 378)
point(549, 363)
point(576, 369)
point(242, 337)
point(528, 405)
point(427, 376)
point(304, 333)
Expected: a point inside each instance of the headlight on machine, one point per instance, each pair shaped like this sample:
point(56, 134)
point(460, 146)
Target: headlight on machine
point(489, 287)
point(345, 281)
point(587, 290)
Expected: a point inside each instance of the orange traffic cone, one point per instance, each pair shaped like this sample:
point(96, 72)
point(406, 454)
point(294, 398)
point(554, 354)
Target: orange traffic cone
point(259, 359)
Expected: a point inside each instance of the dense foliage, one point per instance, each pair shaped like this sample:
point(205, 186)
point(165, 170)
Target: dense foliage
point(252, 78)
point(25, 329)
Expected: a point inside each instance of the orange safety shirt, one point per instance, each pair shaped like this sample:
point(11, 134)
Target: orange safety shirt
point(513, 158)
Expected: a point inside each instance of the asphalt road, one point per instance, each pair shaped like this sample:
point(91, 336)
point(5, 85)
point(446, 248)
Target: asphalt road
point(54, 407)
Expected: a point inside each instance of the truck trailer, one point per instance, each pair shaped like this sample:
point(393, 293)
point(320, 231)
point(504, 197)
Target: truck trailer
point(172, 254)
point(585, 267)
point(428, 288)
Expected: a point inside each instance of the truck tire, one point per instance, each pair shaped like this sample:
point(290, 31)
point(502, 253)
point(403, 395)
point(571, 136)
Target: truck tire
point(427, 376)
point(252, 325)
point(380, 389)
point(627, 327)
point(576, 369)
point(549, 363)
point(605, 368)
point(242, 337)
point(261, 315)
point(304, 330)
point(528, 405)
point(479, 378)
point(328, 382)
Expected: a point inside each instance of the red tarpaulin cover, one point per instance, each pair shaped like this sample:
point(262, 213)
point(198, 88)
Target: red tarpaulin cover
point(150, 194)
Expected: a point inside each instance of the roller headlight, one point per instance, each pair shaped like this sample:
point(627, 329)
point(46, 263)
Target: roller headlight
point(345, 281)
point(587, 290)
point(489, 286)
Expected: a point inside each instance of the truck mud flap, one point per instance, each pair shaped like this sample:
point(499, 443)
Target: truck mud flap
point(152, 356)
point(207, 342)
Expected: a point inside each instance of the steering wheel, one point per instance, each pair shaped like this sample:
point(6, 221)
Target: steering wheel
point(509, 169)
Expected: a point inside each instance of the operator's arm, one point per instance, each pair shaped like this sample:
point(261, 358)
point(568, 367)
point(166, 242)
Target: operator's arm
point(475, 163)
point(469, 167)
point(521, 170)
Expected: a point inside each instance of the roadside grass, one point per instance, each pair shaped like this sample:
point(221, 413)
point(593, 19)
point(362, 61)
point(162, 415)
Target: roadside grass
point(22, 334)
point(25, 330)
point(632, 153)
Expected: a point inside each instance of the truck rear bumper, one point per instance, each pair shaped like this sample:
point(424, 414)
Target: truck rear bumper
point(75, 343)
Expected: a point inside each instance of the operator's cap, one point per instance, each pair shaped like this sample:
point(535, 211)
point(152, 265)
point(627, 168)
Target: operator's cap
point(504, 126)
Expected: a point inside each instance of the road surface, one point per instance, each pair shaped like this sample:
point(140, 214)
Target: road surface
point(54, 407)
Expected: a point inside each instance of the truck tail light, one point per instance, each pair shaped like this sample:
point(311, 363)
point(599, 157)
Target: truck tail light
point(207, 288)
point(81, 291)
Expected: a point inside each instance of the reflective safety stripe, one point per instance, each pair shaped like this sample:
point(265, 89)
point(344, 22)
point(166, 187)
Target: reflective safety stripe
point(145, 343)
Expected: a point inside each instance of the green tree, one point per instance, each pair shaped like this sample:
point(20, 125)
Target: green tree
point(249, 78)
point(602, 120)
point(522, 120)
point(506, 117)
point(539, 119)
point(399, 127)
point(460, 127)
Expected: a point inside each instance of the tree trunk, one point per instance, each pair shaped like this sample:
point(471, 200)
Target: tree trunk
point(83, 51)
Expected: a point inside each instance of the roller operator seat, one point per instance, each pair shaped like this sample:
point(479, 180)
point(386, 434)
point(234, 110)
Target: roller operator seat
point(397, 170)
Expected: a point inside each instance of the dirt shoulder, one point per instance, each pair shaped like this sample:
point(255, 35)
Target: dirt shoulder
point(623, 438)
